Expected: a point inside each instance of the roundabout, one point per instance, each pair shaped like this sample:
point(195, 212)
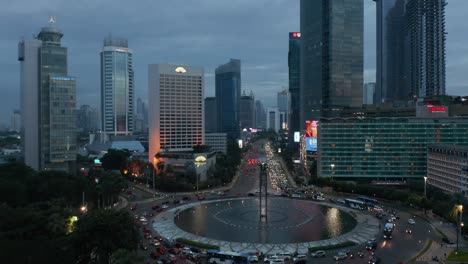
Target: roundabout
point(291, 226)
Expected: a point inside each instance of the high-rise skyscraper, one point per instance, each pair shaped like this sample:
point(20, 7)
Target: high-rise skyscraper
point(260, 115)
point(247, 111)
point(16, 121)
point(294, 83)
point(87, 119)
point(331, 57)
point(410, 49)
point(273, 119)
point(368, 93)
point(176, 108)
point(48, 102)
point(390, 74)
point(210, 115)
point(282, 99)
point(228, 93)
point(116, 88)
point(425, 47)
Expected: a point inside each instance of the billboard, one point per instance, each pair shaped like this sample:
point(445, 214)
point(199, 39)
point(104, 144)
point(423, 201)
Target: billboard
point(297, 137)
point(311, 134)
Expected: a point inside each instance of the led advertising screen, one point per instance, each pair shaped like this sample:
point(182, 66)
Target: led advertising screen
point(297, 137)
point(311, 135)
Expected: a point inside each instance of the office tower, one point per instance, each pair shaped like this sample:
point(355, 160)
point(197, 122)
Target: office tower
point(87, 120)
point(390, 74)
point(294, 82)
point(368, 93)
point(48, 102)
point(228, 92)
point(210, 115)
point(260, 115)
point(116, 88)
point(331, 57)
point(247, 111)
point(16, 121)
point(273, 119)
point(142, 111)
point(282, 100)
point(425, 47)
point(175, 113)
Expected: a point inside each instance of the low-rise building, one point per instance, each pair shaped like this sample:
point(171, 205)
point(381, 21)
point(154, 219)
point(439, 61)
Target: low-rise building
point(447, 168)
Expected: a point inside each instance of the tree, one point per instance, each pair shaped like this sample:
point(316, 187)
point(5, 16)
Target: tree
point(100, 233)
point(115, 159)
point(124, 256)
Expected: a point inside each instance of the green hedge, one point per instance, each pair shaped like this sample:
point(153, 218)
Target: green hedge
point(461, 256)
point(340, 245)
point(195, 243)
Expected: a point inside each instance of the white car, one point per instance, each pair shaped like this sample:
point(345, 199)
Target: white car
point(411, 221)
point(284, 256)
point(164, 206)
point(300, 257)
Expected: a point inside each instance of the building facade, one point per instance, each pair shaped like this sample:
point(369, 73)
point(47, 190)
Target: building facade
point(210, 115)
point(228, 93)
point(176, 118)
point(294, 71)
point(368, 94)
point(260, 115)
point(116, 88)
point(87, 119)
point(273, 119)
point(384, 148)
point(217, 142)
point(282, 100)
point(447, 168)
point(48, 103)
point(331, 57)
point(247, 111)
point(15, 122)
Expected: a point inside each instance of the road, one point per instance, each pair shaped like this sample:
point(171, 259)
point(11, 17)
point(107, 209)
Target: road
point(401, 247)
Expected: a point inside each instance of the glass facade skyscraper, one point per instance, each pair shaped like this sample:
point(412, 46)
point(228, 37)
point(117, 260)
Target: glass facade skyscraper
point(294, 82)
point(48, 103)
point(228, 93)
point(116, 88)
point(331, 57)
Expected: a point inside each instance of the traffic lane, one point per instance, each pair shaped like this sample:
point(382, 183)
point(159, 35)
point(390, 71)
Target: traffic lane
point(403, 246)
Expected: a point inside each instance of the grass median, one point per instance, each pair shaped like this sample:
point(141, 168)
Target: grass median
point(189, 242)
point(461, 256)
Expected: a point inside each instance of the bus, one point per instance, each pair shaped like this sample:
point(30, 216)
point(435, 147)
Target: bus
point(387, 231)
point(356, 204)
point(368, 200)
point(226, 257)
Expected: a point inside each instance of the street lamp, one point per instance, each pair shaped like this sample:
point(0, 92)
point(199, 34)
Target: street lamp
point(332, 167)
point(460, 224)
point(425, 181)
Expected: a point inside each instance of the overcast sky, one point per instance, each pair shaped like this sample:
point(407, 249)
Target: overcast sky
point(194, 32)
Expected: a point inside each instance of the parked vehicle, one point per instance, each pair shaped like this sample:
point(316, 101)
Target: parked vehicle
point(318, 254)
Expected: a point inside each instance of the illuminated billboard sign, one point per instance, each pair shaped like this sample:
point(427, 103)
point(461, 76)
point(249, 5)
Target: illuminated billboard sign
point(311, 135)
point(297, 136)
point(436, 109)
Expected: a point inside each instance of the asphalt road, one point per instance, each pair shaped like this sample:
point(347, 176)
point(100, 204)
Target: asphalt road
point(401, 247)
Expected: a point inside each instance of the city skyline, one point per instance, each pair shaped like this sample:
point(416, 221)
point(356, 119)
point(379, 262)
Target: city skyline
point(264, 66)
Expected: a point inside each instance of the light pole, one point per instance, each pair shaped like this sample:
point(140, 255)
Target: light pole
point(332, 171)
point(460, 212)
point(425, 181)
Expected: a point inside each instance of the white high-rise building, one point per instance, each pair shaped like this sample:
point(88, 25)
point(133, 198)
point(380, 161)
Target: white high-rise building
point(116, 88)
point(175, 108)
point(273, 119)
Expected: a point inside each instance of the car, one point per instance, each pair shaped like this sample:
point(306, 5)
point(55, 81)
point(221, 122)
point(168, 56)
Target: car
point(221, 193)
point(186, 250)
point(295, 195)
point(299, 257)
point(371, 245)
point(155, 207)
point(302, 261)
point(213, 192)
point(161, 250)
point(411, 221)
point(174, 251)
point(251, 194)
point(318, 254)
point(172, 258)
point(448, 241)
point(133, 207)
point(148, 235)
point(284, 256)
point(144, 214)
point(252, 259)
point(340, 256)
point(349, 254)
point(390, 220)
point(164, 206)
point(154, 255)
point(143, 246)
point(360, 254)
point(186, 198)
point(341, 201)
point(374, 260)
point(277, 261)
